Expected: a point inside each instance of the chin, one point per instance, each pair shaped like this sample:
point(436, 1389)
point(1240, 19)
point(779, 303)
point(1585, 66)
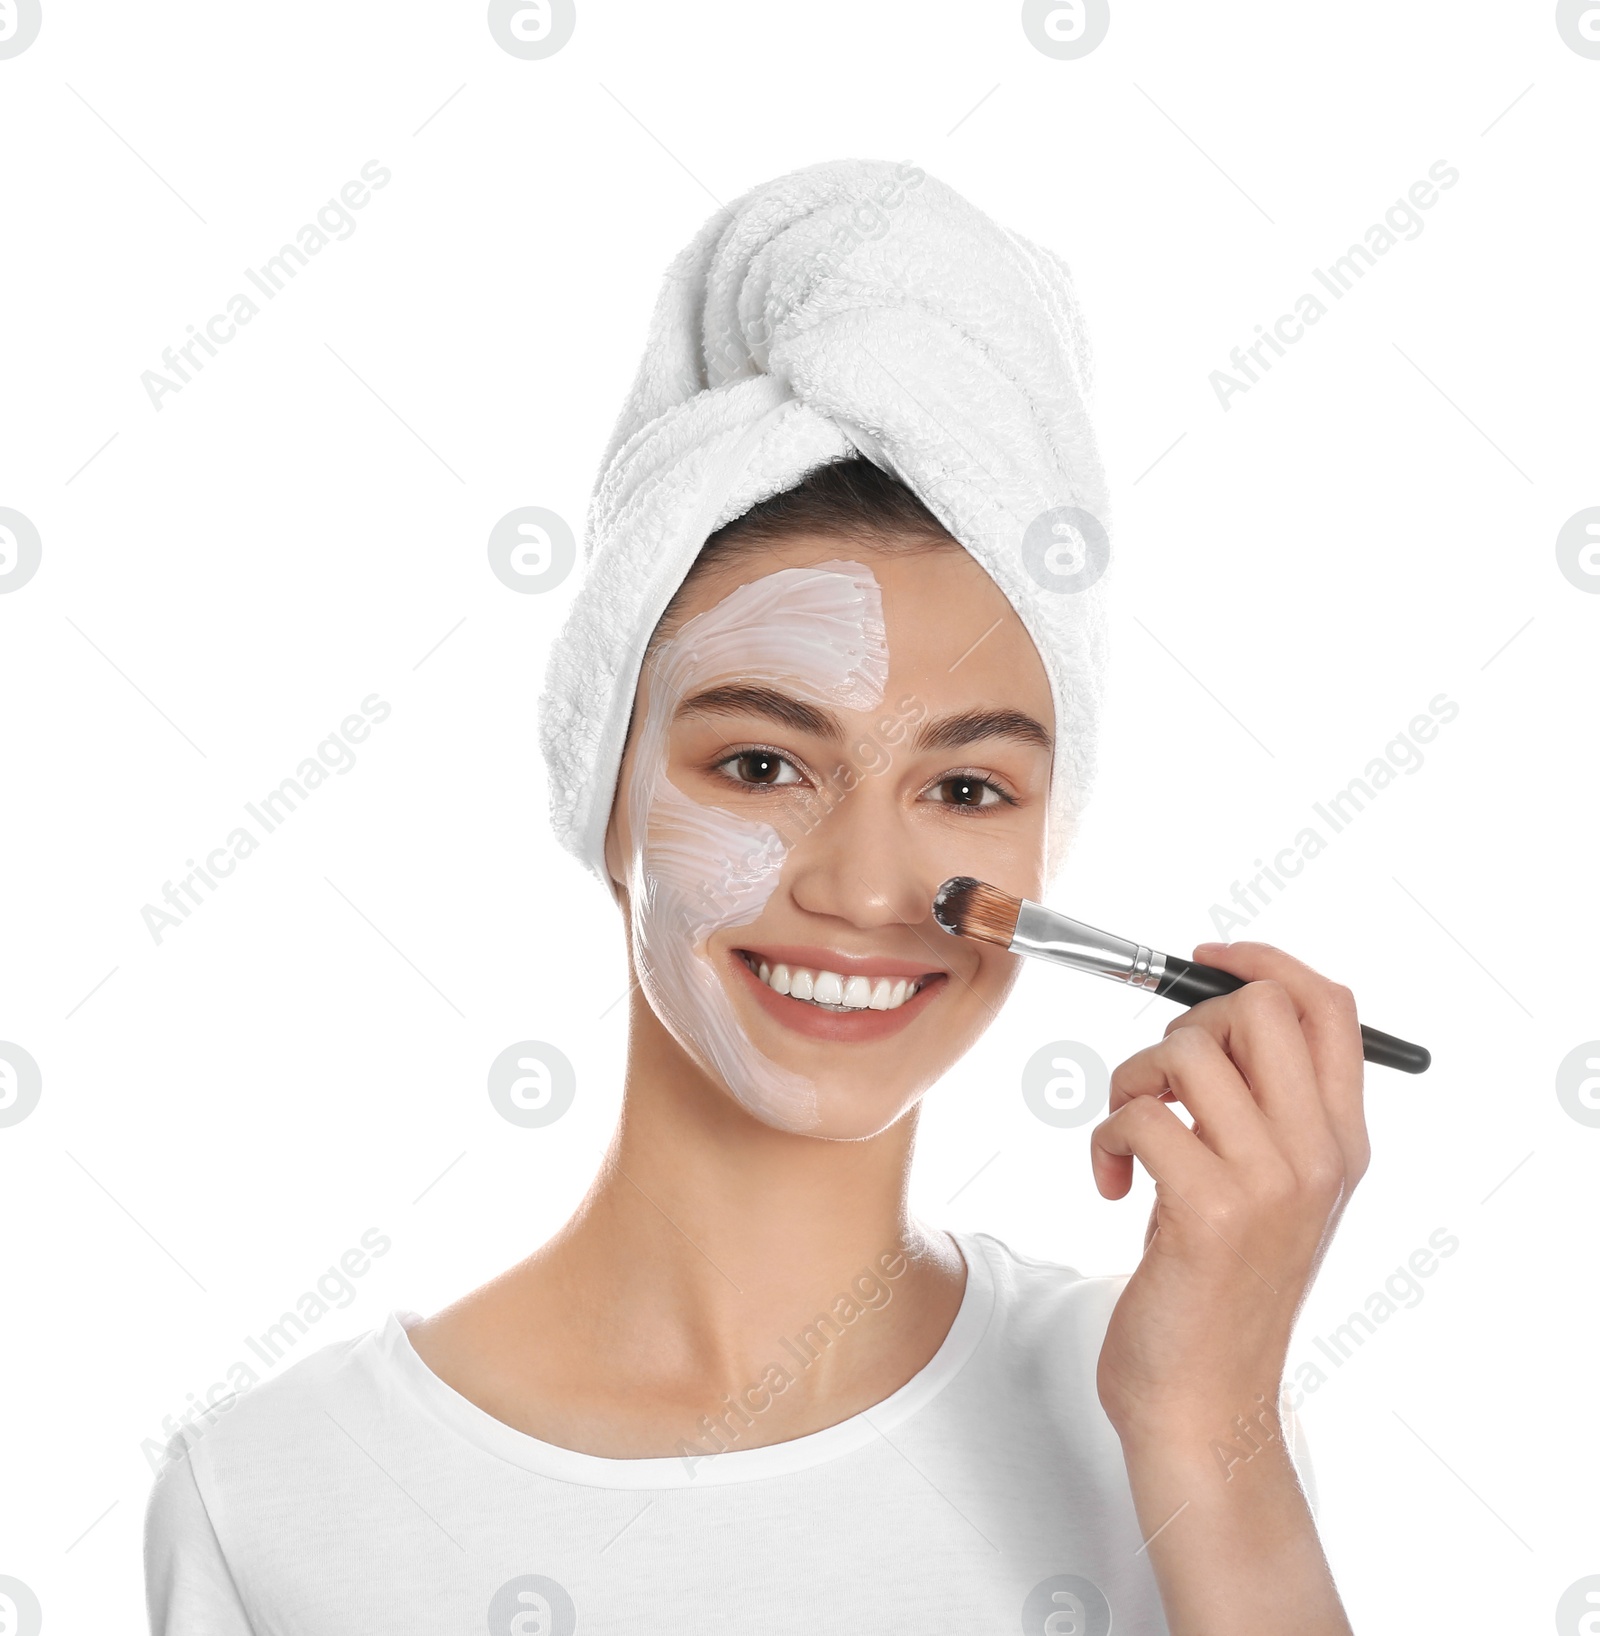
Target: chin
point(844, 1058)
point(841, 1104)
point(841, 1107)
point(854, 1112)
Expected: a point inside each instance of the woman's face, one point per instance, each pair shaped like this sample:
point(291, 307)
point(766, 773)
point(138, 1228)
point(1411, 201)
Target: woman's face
point(829, 733)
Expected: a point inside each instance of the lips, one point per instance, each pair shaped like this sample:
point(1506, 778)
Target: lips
point(814, 958)
point(855, 977)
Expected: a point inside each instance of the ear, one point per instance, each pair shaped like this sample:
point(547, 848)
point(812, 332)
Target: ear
point(616, 866)
point(615, 852)
point(613, 855)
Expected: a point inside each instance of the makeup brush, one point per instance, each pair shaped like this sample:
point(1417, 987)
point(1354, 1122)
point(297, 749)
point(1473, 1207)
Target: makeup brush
point(965, 907)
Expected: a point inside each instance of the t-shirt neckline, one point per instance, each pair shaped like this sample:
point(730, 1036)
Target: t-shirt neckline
point(735, 1465)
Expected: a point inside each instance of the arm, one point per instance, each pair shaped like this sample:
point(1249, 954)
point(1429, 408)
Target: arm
point(1231, 1552)
point(1246, 1203)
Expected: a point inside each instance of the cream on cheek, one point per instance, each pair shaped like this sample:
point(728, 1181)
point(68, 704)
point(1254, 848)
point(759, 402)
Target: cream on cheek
point(697, 870)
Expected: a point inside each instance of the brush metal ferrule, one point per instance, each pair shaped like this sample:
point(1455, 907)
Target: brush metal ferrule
point(1046, 935)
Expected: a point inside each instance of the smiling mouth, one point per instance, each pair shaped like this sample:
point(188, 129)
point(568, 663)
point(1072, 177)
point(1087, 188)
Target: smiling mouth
point(832, 990)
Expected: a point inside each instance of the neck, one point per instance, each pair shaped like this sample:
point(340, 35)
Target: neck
point(735, 1235)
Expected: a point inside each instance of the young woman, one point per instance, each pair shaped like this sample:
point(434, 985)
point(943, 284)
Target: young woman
point(743, 1390)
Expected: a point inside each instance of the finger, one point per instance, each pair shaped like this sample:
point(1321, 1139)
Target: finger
point(1328, 1021)
point(1259, 1029)
point(1151, 1132)
point(1194, 1067)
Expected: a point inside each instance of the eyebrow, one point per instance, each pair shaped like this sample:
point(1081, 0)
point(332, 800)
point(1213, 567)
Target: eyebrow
point(943, 733)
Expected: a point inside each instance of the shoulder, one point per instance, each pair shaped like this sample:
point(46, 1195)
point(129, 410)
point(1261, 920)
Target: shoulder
point(1031, 1388)
point(248, 1486)
point(1047, 1317)
point(265, 1438)
point(1030, 1288)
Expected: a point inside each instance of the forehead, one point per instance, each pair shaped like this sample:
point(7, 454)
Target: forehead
point(953, 637)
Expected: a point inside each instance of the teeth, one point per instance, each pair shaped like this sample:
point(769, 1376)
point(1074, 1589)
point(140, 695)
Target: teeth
point(834, 991)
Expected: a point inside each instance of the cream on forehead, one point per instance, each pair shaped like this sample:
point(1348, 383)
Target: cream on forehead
point(696, 870)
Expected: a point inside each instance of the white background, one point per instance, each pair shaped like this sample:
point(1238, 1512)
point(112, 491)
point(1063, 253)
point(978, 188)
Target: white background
point(1371, 525)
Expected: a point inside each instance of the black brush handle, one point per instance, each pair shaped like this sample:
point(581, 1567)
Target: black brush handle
point(1188, 983)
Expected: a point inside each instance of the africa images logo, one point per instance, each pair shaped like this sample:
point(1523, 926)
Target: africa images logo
point(19, 28)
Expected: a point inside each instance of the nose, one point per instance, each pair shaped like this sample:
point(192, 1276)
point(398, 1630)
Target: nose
point(860, 862)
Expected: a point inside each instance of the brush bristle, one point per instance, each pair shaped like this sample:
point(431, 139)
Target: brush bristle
point(970, 908)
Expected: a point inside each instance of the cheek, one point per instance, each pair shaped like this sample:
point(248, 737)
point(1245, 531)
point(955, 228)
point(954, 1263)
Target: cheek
point(704, 868)
point(997, 975)
point(693, 870)
point(699, 871)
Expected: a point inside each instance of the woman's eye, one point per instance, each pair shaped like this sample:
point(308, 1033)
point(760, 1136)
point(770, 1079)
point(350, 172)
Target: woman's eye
point(761, 767)
point(962, 790)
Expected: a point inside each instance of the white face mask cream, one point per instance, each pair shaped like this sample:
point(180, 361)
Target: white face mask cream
point(696, 870)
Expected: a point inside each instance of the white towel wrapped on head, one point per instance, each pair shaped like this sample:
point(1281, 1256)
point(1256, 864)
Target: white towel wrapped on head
point(853, 307)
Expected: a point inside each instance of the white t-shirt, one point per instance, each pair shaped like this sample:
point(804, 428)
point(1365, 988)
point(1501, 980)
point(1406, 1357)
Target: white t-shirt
point(357, 1492)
